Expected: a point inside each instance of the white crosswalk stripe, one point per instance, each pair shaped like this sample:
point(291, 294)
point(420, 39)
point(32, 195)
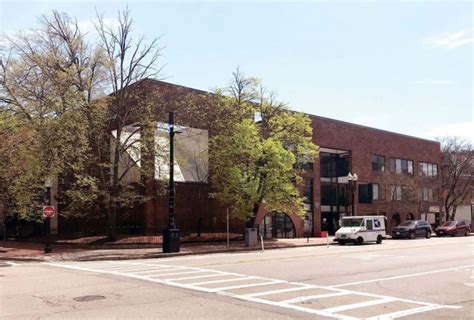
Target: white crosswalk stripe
point(268, 290)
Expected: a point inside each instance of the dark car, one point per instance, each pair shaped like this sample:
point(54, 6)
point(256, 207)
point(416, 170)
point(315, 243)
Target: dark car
point(411, 229)
point(453, 228)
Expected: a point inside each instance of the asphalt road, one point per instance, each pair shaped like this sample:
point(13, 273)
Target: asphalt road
point(411, 279)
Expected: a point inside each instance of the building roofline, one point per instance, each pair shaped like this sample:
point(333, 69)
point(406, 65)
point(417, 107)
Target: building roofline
point(370, 128)
point(169, 84)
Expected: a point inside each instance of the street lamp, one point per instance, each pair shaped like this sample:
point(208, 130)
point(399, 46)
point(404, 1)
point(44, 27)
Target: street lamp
point(47, 220)
point(352, 183)
point(171, 233)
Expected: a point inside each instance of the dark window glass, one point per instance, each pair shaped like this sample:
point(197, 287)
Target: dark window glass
point(333, 165)
point(378, 163)
point(369, 225)
point(365, 193)
point(333, 194)
point(328, 193)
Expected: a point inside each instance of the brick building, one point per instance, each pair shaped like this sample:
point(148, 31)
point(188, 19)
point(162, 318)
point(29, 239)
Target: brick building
point(397, 177)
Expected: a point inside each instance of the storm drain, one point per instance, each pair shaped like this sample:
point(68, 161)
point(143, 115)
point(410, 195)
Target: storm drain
point(89, 298)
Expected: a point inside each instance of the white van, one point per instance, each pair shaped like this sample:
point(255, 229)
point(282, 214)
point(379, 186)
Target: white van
point(360, 229)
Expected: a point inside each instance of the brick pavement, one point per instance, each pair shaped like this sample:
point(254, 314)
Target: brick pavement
point(24, 251)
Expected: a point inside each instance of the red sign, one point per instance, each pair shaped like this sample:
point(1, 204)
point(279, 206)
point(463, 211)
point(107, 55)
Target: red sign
point(48, 211)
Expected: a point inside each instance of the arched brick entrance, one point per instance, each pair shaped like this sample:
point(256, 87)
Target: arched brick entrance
point(277, 225)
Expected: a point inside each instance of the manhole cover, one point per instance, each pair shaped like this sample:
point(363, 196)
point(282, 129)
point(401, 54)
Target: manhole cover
point(88, 298)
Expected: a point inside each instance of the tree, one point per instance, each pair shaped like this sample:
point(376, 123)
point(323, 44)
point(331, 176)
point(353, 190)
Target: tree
point(128, 62)
point(456, 173)
point(49, 78)
point(54, 81)
point(255, 164)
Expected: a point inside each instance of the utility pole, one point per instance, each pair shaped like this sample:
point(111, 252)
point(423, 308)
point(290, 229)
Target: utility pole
point(171, 233)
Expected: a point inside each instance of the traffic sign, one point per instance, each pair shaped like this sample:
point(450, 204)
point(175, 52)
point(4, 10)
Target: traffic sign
point(48, 211)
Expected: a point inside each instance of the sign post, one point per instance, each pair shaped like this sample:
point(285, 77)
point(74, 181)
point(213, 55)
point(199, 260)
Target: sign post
point(48, 212)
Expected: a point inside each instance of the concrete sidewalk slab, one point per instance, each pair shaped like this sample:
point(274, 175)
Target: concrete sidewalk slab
point(22, 251)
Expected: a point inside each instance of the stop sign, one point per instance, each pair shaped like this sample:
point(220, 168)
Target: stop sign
point(48, 211)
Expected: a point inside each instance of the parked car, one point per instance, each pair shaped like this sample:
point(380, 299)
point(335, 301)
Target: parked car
point(411, 229)
point(361, 229)
point(453, 228)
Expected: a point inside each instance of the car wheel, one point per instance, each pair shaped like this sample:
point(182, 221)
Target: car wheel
point(379, 239)
point(454, 233)
point(428, 234)
point(438, 234)
point(342, 243)
point(359, 241)
point(466, 233)
point(411, 235)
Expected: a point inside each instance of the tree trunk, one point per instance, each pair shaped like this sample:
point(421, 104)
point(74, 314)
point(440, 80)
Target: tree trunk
point(250, 222)
point(453, 214)
point(112, 219)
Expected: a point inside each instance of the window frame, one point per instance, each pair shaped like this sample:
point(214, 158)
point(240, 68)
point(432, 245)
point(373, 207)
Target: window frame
point(378, 163)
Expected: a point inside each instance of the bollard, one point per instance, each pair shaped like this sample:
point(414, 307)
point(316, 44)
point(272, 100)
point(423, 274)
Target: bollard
point(261, 240)
point(327, 240)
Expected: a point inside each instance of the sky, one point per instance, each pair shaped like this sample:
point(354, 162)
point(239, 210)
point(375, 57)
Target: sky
point(403, 66)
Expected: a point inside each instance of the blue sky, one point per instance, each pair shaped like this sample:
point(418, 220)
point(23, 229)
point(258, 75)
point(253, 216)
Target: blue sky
point(403, 66)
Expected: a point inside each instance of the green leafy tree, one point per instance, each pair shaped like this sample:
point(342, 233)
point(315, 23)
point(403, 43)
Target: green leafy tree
point(255, 164)
point(49, 76)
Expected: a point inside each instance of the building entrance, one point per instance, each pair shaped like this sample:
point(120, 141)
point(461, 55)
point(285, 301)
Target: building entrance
point(277, 225)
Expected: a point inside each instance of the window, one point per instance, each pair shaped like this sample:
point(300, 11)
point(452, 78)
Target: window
point(396, 193)
point(378, 191)
point(378, 163)
point(352, 222)
point(365, 193)
point(333, 165)
point(400, 166)
point(408, 194)
point(369, 225)
point(428, 194)
point(428, 169)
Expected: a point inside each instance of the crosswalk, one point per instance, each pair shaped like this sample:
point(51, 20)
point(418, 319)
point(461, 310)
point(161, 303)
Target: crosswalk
point(332, 302)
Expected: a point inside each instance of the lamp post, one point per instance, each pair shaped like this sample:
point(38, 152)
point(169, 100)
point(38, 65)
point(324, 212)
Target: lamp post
point(171, 233)
point(352, 183)
point(47, 220)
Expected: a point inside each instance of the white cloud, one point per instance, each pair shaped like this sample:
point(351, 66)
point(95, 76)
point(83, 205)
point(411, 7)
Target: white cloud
point(432, 81)
point(450, 40)
point(462, 129)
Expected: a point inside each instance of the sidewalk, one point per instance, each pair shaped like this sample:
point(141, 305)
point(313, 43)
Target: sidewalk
point(20, 251)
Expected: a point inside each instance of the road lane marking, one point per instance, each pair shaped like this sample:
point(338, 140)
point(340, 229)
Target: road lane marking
point(248, 285)
point(199, 277)
point(406, 312)
point(359, 305)
point(400, 277)
point(266, 293)
point(219, 281)
point(175, 273)
point(315, 297)
point(262, 281)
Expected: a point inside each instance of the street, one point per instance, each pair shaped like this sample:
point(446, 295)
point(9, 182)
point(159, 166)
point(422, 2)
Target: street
point(415, 279)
